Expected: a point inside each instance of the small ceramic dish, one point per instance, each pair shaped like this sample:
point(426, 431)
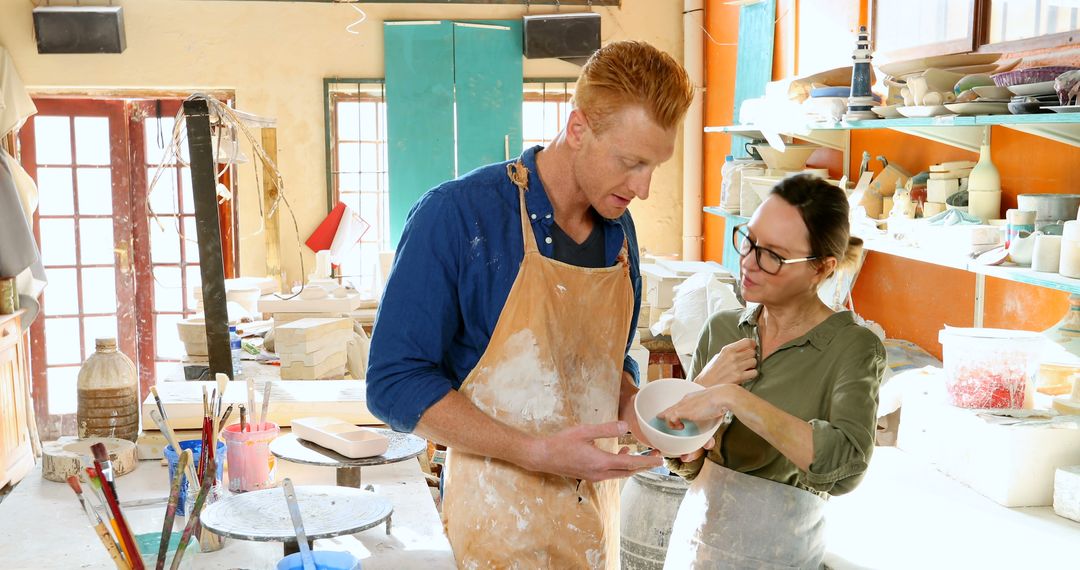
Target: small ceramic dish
point(1027, 108)
point(659, 395)
point(887, 111)
point(992, 92)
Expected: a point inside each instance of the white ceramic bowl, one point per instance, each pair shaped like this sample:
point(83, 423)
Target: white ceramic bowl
point(658, 396)
point(794, 156)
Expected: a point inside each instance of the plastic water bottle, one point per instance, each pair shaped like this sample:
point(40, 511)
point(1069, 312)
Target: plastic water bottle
point(237, 350)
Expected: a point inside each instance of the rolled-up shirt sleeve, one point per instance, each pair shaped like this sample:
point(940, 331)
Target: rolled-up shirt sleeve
point(417, 317)
point(844, 441)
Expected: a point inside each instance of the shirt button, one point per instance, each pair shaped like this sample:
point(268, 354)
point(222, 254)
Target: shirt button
point(548, 216)
point(534, 216)
point(547, 240)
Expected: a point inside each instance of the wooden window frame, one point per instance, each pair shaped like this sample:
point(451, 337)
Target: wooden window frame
point(127, 111)
point(978, 38)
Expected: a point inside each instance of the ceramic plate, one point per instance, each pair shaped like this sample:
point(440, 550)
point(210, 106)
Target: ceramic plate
point(978, 108)
point(907, 67)
point(1065, 109)
point(920, 111)
point(1041, 88)
point(887, 112)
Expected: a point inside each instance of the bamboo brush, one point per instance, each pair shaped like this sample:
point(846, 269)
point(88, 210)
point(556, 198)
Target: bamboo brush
point(134, 557)
point(99, 525)
point(193, 518)
point(170, 436)
point(170, 510)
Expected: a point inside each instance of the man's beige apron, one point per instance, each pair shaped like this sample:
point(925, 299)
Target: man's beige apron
point(733, 520)
point(554, 361)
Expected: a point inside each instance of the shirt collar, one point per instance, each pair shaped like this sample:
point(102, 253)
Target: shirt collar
point(819, 336)
point(536, 199)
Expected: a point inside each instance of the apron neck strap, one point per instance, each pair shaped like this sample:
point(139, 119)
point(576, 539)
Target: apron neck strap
point(519, 175)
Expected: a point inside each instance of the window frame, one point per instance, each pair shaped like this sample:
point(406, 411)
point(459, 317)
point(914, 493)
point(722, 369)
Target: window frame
point(978, 38)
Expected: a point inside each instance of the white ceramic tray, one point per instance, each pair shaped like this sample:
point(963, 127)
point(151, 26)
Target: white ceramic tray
point(978, 108)
point(901, 68)
point(344, 438)
point(887, 112)
point(920, 111)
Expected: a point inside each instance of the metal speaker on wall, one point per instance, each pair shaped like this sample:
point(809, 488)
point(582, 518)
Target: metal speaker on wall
point(79, 29)
point(573, 37)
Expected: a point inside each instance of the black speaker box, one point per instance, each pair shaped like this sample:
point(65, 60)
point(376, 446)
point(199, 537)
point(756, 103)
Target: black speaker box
point(79, 29)
point(562, 35)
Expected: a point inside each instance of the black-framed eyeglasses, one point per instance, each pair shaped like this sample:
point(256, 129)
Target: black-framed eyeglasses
point(768, 260)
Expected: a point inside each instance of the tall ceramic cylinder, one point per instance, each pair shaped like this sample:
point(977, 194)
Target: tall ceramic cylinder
point(108, 394)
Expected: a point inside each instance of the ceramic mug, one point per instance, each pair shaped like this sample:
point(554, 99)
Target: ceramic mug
point(1047, 254)
point(1017, 221)
point(1022, 247)
point(750, 150)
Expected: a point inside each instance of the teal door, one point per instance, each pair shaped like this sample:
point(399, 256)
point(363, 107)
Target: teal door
point(488, 92)
point(419, 112)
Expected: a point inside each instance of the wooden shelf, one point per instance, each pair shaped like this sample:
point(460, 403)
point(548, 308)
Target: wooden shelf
point(944, 259)
point(954, 130)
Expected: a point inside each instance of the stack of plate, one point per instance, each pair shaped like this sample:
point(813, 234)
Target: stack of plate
point(1033, 90)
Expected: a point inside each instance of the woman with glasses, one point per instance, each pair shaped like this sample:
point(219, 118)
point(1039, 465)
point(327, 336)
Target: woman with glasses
point(795, 384)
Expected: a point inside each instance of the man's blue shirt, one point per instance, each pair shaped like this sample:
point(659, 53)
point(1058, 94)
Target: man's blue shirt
point(456, 261)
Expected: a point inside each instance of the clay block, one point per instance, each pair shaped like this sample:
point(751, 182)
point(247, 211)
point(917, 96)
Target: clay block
point(311, 358)
point(660, 285)
point(305, 330)
point(332, 367)
point(939, 190)
point(334, 342)
point(1067, 492)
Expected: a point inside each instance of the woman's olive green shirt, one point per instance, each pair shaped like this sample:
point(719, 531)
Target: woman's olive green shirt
point(828, 377)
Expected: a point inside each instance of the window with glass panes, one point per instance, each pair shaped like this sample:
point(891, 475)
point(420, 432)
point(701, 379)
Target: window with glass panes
point(544, 110)
point(358, 171)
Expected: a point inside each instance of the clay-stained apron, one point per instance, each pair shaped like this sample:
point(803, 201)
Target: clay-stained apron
point(554, 361)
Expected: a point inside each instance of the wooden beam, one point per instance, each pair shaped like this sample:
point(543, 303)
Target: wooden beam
point(271, 228)
point(204, 189)
point(615, 3)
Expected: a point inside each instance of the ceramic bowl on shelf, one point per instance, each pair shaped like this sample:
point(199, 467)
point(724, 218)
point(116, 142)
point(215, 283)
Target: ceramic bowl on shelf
point(793, 157)
point(992, 92)
point(1027, 107)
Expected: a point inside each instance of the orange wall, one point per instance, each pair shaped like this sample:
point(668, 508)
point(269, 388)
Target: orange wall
point(911, 300)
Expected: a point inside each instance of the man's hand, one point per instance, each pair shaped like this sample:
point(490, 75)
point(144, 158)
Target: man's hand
point(734, 364)
point(572, 453)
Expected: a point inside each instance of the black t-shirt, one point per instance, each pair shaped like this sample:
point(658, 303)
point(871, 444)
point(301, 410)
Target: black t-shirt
point(589, 253)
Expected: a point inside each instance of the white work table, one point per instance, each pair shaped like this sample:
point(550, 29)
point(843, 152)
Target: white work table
point(42, 525)
point(906, 514)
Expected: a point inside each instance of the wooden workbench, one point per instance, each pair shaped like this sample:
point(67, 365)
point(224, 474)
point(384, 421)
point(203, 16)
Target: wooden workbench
point(43, 527)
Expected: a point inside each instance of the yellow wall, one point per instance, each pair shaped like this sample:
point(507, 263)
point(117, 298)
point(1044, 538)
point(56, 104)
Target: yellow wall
point(274, 56)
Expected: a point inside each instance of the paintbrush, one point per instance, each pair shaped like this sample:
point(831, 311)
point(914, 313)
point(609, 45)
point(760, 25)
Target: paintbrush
point(98, 524)
point(170, 436)
point(225, 417)
point(193, 519)
point(243, 418)
point(250, 398)
point(205, 403)
point(170, 510)
point(101, 455)
point(134, 557)
point(157, 401)
point(95, 484)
